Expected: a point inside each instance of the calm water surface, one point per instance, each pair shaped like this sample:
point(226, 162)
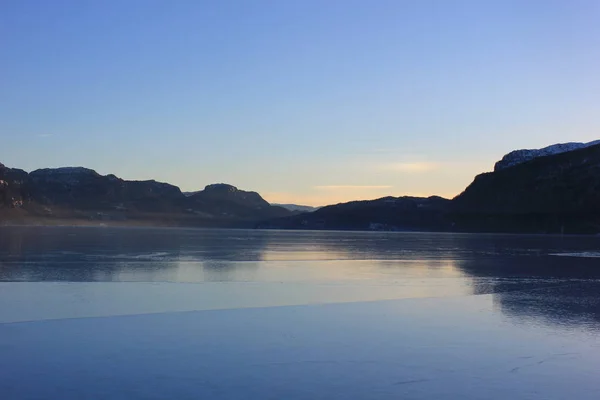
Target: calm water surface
point(174, 313)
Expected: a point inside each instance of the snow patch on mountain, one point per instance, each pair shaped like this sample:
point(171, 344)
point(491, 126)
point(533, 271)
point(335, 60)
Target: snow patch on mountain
point(520, 156)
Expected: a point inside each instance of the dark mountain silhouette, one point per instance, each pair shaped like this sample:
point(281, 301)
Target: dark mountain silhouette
point(225, 200)
point(546, 194)
point(553, 192)
point(298, 207)
point(12, 187)
point(85, 189)
point(387, 213)
point(76, 193)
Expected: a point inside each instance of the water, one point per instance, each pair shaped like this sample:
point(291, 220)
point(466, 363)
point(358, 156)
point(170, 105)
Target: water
point(174, 313)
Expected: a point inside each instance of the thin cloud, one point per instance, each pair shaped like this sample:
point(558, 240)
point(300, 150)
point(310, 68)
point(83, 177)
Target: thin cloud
point(336, 187)
point(45, 135)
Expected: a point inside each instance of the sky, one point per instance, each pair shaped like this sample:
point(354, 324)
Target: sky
point(307, 102)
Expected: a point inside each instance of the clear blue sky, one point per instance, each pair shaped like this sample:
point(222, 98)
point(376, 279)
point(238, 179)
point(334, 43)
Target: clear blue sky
point(304, 101)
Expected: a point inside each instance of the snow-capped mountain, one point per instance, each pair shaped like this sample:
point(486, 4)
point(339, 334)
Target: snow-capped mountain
point(520, 156)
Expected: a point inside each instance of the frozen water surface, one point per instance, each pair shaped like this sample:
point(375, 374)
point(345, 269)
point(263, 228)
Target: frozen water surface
point(187, 314)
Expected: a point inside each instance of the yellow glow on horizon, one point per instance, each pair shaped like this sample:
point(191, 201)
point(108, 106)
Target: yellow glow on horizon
point(396, 179)
point(328, 198)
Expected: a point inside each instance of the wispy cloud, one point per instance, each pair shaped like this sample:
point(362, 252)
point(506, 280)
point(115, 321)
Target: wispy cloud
point(411, 167)
point(337, 187)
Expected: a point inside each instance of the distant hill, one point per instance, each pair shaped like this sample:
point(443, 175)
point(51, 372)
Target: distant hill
point(387, 213)
point(228, 201)
point(552, 190)
point(556, 190)
point(76, 193)
point(297, 208)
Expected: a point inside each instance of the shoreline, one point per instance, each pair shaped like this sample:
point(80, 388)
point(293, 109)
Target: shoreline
point(62, 223)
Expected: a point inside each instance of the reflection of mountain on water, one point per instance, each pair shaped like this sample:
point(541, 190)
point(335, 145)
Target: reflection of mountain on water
point(525, 281)
point(80, 254)
point(574, 305)
point(115, 254)
point(323, 245)
point(540, 289)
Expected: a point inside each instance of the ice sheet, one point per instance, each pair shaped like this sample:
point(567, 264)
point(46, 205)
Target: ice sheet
point(413, 348)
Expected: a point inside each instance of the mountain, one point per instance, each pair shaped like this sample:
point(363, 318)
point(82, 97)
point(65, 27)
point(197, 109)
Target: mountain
point(552, 190)
point(556, 191)
point(520, 156)
point(297, 208)
point(77, 193)
point(12, 187)
point(85, 189)
point(228, 201)
point(553, 193)
point(387, 213)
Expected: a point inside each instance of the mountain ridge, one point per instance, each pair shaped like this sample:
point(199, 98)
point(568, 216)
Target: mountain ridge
point(297, 207)
point(556, 190)
point(555, 193)
point(516, 157)
point(81, 193)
